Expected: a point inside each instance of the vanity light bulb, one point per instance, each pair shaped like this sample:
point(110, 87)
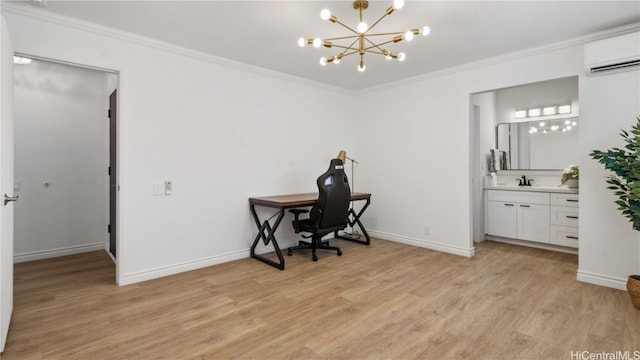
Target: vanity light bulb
point(564, 109)
point(535, 112)
point(569, 127)
point(555, 127)
point(574, 123)
point(567, 122)
point(564, 130)
point(542, 124)
point(521, 114)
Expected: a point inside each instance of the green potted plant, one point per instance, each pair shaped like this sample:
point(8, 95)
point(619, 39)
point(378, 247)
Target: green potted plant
point(625, 164)
point(570, 176)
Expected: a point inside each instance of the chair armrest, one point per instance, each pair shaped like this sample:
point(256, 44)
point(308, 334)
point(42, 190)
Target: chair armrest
point(296, 214)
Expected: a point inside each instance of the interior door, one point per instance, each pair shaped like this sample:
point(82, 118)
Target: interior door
point(113, 184)
point(6, 182)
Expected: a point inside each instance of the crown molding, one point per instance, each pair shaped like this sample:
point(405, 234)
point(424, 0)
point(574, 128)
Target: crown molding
point(577, 41)
point(43, 15)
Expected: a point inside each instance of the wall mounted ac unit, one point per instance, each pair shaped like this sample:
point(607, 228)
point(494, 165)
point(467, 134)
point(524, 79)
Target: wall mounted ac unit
point(615, 54)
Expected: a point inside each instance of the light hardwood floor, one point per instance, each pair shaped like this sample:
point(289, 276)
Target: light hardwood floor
point(386, 301)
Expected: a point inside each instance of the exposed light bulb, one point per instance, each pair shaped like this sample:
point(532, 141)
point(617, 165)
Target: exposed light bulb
point(362, 27)
point(336, 61)
point(401, 56)
point(325, 14)
point(542, 123)
point(323, 61)
point(408, 36)
point(574, 123)
point(567, 122)
point(302, 42)
point(398, 4)
point(317, 42)
point(555, 127)
point(569, 127)
point(425, 31)
point(21, 60)
point(362, 67)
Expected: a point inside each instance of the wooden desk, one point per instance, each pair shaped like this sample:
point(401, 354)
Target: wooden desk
point(266, 231)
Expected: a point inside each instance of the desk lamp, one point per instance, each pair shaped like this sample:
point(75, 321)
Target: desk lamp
point(342, 155)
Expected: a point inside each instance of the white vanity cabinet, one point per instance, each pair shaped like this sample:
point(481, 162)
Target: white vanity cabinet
point(564, 220)
point(518, 215)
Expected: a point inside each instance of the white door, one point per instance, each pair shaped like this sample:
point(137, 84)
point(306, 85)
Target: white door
point(6, 182)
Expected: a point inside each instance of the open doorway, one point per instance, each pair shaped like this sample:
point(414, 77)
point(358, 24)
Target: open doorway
point(62, 159)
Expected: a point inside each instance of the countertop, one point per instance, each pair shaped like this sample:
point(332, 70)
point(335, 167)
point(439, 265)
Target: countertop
point(534, 188)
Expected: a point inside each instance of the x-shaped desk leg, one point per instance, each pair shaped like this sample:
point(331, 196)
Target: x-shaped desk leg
point(353, 219)
point(267, 238)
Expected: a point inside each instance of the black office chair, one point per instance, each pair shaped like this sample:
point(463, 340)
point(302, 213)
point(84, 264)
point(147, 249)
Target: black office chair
point(329, 213)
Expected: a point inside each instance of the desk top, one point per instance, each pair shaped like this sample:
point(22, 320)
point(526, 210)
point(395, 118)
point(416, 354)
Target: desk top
point(295, 200)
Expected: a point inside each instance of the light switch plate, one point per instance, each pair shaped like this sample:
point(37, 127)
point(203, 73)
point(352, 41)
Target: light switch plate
point(168, 188)
point(158, 189)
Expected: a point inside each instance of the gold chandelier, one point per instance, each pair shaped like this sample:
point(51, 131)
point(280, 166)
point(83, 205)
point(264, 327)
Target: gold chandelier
point(363, 41)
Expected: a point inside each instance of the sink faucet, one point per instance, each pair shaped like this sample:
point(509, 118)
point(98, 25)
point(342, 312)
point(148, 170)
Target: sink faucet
point(523, 181)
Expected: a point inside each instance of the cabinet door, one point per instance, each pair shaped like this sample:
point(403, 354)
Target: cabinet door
point(533, 222)
point(501, 219)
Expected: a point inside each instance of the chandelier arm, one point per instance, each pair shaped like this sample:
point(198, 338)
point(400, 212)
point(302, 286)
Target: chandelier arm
point(380, 44)
point(374, 45)
point(376, 23)
point(345, 47)
point(345, 54)
point(387, 33)
point(343, 37)
point(350, 29)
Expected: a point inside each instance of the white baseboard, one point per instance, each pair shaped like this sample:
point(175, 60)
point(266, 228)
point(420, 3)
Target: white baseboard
point(534, 244)
point(432, 245)
point(182, 267)
point(46, 254)
point(602, 280)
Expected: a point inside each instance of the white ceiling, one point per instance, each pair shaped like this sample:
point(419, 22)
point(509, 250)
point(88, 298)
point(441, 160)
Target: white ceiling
point(265, 33)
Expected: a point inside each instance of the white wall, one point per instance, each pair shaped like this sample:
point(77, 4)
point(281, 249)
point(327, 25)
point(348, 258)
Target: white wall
point(61, 157)
point(609, 247)
point(220, 133)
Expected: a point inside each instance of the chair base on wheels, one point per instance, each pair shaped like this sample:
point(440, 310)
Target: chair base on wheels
point(313, 245)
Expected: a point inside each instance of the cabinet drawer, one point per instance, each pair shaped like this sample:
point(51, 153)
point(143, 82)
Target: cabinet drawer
point(570, 200)
point(528, 197)
point(563, 215)
point(564, 235)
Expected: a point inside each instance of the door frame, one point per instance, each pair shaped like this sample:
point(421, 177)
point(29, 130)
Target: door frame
point(117, 143)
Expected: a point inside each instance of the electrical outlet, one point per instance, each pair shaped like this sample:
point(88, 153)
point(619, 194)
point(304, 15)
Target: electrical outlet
point(427, 230)
point(168, 188)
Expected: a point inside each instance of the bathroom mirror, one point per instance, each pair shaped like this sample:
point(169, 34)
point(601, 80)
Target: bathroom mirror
point(539, 144)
